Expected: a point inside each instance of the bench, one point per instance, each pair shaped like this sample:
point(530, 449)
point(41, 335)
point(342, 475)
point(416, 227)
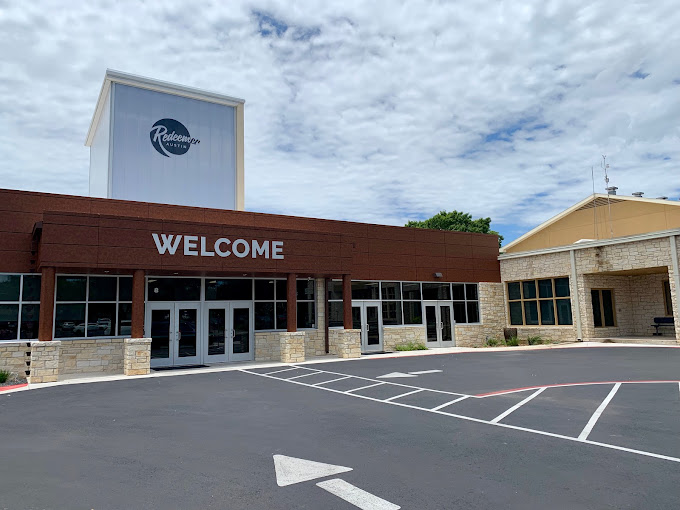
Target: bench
point(662, 321)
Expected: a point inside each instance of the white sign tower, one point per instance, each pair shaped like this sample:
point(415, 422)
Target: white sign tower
point(153, 141)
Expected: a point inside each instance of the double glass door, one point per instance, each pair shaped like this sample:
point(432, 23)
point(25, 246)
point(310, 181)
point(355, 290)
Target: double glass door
point(174, 331)
point(367, 317)
point(185, 334)
point(439, 323)
point(229, 327)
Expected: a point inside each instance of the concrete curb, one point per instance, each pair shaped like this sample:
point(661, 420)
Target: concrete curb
point(325, 359)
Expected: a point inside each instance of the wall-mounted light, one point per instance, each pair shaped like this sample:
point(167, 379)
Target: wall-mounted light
point(437, 275)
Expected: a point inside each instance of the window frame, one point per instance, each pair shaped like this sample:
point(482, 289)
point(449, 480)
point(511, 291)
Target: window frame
point(117, 304)
point(20, 303)
point(403, 300)
point(554, 298)
point(614, 317)
point(667, 298)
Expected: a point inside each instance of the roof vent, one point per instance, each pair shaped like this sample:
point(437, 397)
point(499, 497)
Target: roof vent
point(611, 190)
point(638, 194)
point(662, 198)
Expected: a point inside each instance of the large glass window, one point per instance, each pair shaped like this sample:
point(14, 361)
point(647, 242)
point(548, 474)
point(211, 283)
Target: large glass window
point(306, 304)
point(365, 290)
point(270, 304)
point(335, 310)
point(178, 289)
point(19, 306)
point(544, 302)
point(93, 306)
point(232, 289)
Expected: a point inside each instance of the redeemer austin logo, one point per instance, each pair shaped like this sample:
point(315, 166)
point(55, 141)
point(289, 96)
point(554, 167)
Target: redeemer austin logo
point(169, 136)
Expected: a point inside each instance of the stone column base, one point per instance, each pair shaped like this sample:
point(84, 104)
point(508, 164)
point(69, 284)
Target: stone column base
point(292, 347)
point(137, 356)
point(345, 343)
point(44, 362)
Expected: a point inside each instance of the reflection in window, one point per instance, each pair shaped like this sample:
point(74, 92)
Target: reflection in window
point(19, 306)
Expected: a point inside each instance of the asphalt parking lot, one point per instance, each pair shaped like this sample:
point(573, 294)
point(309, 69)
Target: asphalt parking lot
point(561, 428)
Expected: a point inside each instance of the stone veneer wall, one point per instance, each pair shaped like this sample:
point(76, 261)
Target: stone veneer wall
point(91, 356)
point(292, 347)
point(44, 362)
point(637, 298)
point(401, 335)
point(137, 356)
point(15, 358)
point(344, 343)
point(492, 318)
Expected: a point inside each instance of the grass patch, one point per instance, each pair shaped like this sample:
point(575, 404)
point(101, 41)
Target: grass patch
point(535, 340)
point(411, 346)
point(4, 376)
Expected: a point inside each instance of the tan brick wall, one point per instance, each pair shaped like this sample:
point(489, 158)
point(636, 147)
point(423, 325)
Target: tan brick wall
point(538, 266)
point(345, 343)
point(315, 340)
point(13, 358)
point(44, 361)
point(137, 356)
point(549, 334)
point(268, 346)
point(492, 318)
point(292, 347)
point(401, 335)
point(91, 355)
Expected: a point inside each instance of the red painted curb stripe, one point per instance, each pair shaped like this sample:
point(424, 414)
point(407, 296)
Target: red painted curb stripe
point(5, 388)
point(568, 384)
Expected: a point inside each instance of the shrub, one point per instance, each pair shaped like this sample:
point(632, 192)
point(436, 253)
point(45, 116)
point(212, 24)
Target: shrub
point(512, 342)
point(494, 342)
point(411, 346)
point(535, 340)
point(4, 376)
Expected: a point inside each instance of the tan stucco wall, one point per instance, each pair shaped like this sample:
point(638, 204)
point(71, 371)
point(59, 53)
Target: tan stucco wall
point(629, 217)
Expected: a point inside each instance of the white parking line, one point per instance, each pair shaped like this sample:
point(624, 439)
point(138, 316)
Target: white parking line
point(364, 387)
point(279, 371)
point(516, 406)
point(448, 403)
point(475, 420)
point(305, 375)
point(332, 380)
point(402, 395)
point(598, 412)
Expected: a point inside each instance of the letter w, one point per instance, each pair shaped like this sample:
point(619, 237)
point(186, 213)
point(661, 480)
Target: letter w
point(167, 244)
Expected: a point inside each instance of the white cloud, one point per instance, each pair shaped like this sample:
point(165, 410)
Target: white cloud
point(369, 111)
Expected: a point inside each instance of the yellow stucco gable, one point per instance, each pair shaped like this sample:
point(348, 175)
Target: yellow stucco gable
point(600, 217)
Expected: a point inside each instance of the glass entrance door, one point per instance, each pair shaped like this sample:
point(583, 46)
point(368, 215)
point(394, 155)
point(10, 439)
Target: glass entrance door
point(439, 324)
point(367, 317)
point(174, 332)
point(230, 332)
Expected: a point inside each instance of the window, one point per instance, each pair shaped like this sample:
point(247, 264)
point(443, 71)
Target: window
point(604, 314)
point(95, 306)
point(19, 306)
point(335, 310)
point(175, 289)
point(306, 305)
point(544, 302)
point(667, 300)
point(465, 302)
point(270, 304)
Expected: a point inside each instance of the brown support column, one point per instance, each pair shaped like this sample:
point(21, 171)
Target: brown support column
point(46, 319)
point(347, 301)
point(292, 303)
point(137, 326)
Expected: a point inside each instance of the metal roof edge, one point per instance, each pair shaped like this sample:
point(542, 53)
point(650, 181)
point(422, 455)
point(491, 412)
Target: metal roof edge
point(113, 76)
point(593, 244)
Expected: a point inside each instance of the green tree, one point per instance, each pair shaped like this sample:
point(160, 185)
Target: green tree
point(457, 221)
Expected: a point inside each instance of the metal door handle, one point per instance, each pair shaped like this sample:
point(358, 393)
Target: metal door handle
point(233, 333)
point(368, 327)
point(179, 336)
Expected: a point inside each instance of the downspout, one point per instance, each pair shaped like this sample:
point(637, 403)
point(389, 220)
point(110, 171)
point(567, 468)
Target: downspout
point(576, 301)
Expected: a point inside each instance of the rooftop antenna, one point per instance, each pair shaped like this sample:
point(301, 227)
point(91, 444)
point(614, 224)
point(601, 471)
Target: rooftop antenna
point(604, 166)
point(592, 176)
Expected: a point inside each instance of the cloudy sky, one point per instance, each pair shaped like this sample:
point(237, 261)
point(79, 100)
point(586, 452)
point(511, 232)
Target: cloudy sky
point(370, 111)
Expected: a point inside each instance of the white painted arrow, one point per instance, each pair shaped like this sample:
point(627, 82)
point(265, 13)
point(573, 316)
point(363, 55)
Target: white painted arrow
point(395, 375)
point(291, 470)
